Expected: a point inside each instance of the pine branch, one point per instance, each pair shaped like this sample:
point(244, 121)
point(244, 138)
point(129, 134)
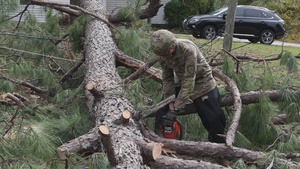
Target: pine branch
point(33, 53)
point(9, 124)
point(72, 70)
point(14, 99)
point(22, 98)
point(141, 70)
point(20, 13)
point(135, 64)
point(25, 84)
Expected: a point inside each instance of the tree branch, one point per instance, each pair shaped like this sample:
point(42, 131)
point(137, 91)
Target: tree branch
point(237, 106)
point(25, 84)
point(72, 70)
point(129, 62)
point(141, 70)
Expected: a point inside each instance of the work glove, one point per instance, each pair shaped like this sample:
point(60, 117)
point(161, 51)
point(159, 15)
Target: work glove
point(175, 110)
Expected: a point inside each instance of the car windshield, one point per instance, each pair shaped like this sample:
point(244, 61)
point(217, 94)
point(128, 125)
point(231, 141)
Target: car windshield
point(219, 11)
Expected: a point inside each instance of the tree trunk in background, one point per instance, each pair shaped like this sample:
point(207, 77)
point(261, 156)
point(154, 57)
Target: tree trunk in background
point(108, 107)
point(229, 26)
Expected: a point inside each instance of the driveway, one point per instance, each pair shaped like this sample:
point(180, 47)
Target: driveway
point(278, 43)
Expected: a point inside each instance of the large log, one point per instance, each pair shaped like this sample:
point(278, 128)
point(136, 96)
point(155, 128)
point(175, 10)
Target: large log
point(203, 149)
point(207, 149)
point(99, 49)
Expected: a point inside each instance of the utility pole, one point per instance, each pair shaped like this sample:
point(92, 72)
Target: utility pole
point(229, 26)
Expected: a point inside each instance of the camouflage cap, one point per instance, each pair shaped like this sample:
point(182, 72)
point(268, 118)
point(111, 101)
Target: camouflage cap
point(162, 41)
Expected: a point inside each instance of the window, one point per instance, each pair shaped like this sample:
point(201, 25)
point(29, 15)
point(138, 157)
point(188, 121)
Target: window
point(267, 15)
point(239, 12)
point(253, 13)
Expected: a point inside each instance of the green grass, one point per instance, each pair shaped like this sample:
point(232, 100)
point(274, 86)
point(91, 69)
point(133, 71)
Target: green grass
point(259, 50)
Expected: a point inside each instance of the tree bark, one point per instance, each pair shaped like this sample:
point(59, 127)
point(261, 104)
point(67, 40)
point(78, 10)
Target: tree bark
point(237, 106)
point(85, 144)
point(101, 72)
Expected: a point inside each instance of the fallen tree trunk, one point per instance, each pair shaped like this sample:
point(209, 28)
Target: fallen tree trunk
point(106, 100)
point(207, 149)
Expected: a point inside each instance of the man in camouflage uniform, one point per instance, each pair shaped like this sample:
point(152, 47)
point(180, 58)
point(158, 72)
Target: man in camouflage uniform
point(181, 60)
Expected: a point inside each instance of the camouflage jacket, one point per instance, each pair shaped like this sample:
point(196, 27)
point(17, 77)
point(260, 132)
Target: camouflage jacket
point(189, 68)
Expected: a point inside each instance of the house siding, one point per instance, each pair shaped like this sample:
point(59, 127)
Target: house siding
point(112, 6)
point(38, 11)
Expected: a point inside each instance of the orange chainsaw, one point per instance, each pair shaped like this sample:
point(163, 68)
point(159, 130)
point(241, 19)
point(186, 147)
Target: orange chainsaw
point(171, 128)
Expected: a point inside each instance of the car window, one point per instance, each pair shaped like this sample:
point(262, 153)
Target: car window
point(219, 11)
point(239, 12)
point(268, 15)
point(253, 13)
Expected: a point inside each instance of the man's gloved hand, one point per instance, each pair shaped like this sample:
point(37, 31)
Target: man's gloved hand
point(175, 110)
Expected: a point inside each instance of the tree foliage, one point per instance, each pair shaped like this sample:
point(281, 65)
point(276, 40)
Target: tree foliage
point(176, 12)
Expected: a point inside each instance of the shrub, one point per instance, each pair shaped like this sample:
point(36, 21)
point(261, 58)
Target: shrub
point(176, 12)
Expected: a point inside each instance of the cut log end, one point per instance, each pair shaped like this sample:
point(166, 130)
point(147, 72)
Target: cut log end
point(125, 117)
point(103, 130)
point(156, 151)
point(90, 86)
point(61, 154)
point(126, 114)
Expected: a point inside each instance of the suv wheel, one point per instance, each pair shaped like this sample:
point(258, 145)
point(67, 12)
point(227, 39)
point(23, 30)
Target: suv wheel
point(209, 32)
point(221, 32)
point(267, 37)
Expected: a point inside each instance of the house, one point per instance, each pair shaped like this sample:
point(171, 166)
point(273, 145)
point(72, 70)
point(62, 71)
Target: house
point(110, 5)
